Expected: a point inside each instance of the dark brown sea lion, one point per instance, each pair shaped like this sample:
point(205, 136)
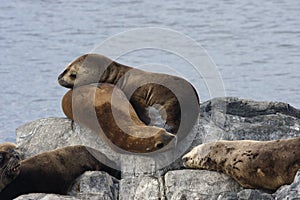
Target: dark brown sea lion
point(9, 163)
point(254, 164)
point(174, 98)
point(105, 109)
point(49, 172)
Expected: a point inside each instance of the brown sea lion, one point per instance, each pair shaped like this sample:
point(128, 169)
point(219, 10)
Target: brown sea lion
point(174, 98)
point(254, 164)
point(105, 109)
point(9, 163)
point(49, 172)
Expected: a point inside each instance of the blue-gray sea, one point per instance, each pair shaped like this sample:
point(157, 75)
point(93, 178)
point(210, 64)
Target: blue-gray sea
point(254, 44)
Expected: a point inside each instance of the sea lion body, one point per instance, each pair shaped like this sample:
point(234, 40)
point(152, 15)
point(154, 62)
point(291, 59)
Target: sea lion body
point(105, 109)
point(55, 171)
point(174, 98)
point(254, 164)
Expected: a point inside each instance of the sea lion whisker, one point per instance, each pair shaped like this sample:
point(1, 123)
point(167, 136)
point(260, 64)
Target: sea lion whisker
point(4, 172)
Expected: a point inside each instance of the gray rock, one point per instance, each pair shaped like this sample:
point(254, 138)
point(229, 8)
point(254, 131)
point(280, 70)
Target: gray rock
point(220, 118)
point(139, 188)
point(99, 184)
point(288, 192)
point(227, 196)
point(51, 133)
point(249, 194)
point(39, 196)
point(192, 196)
point(192, 183)
point(235, 119)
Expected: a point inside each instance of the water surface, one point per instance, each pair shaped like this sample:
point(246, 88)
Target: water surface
point(256, 46)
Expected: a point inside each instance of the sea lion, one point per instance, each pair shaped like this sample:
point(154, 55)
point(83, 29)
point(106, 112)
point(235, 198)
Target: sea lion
point(173, 97)
point(254, 164)
point(49, 172)
point(9, 163)
point(104, 108)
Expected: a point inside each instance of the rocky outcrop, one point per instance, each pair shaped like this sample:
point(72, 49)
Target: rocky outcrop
point(239, 119)
point(220, 118)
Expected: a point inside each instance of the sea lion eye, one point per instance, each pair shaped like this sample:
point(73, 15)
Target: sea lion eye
point(73, 75)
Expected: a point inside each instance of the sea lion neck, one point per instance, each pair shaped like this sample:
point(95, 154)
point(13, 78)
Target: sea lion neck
point(113, 73)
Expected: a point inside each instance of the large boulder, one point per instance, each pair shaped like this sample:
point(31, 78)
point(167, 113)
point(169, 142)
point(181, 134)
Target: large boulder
point(192, 183)
point(51, 133)
point(238, 119)
point(220, 118)
point(139, 188)
point(249, 194)
point(94, 184)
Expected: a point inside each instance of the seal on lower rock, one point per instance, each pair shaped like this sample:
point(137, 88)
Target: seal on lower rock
point(175, 98)
point(49, 172)
point(9, 163)
point(254, 164)
point(105, 109)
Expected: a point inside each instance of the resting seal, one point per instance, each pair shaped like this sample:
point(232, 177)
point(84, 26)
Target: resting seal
point(254, 164)
point(175, 99)
point(49, 172)
point(9, 163)
point(105, 109)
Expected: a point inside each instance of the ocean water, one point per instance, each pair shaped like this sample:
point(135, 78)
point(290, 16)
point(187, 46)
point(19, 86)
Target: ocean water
point(255, 46)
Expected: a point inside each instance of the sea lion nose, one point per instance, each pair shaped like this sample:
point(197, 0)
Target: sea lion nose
point(167, 141)
point(185, 159)
point(16, 154)
point(159, 145)
point(60, 76)
point(167, 137)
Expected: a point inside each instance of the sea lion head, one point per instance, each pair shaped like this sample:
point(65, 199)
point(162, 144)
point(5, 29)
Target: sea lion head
point(84, 70)
point(197, 157)
point(10, 159)
point(159, 142)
